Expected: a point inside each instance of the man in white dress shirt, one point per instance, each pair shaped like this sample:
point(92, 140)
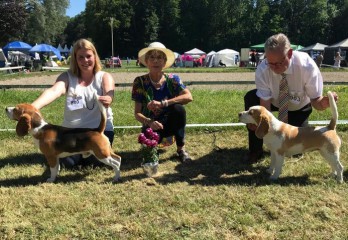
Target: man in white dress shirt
point(305, 84)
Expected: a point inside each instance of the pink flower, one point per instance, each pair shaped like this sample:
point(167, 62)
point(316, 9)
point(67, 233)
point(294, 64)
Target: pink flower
point(153, 143)
point(149, 138)
point(141, 138)
point(148, 132)
point(148, 142)
point(155, 136)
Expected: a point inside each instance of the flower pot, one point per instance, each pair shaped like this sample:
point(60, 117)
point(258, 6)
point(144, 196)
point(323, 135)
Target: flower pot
point(150, 168)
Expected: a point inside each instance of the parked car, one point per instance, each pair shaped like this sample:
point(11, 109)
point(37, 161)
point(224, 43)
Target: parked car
point(113, 62)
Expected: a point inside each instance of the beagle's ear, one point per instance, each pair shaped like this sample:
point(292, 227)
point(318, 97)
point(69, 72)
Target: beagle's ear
point(263, 127)
point(23, 125)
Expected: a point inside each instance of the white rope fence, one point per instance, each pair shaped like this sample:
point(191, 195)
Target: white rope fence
point(193, 125)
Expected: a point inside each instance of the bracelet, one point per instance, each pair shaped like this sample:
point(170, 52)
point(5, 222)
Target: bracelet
point(164, 103)
point(147, 121)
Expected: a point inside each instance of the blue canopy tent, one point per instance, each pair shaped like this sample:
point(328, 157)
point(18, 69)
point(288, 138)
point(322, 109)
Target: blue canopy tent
point(45, 48)
point(16, 46)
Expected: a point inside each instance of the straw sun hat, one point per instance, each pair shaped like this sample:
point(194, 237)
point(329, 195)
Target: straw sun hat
point(158, 46)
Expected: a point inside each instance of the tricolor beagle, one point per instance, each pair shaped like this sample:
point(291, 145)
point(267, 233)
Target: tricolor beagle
point(56, 141)
point(285, 140)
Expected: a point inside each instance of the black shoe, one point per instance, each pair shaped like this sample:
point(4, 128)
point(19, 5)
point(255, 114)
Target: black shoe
point(184, 156)
point(253, 157)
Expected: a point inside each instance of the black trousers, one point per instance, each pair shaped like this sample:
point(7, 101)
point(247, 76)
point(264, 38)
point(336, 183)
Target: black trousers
point(296, 118)
point(174, 123)
point(74, 160)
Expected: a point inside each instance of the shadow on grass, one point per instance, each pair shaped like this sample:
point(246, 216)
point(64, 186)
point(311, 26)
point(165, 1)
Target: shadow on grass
point(226, 166)
point(130, 161)
point(30, 159)
point(220, 167)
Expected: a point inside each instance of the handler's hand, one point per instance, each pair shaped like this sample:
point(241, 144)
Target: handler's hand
point(105, 100)
point(325, 103)
point(155, 125)
point(154, 105)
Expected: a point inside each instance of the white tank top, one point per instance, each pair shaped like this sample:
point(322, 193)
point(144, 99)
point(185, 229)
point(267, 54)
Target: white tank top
point(81, 110)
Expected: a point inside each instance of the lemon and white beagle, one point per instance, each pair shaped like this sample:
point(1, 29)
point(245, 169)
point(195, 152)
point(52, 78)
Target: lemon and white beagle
point(57, 142)
point(285, 140)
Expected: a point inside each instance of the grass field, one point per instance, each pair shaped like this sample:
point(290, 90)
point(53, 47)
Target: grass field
point(217, 196)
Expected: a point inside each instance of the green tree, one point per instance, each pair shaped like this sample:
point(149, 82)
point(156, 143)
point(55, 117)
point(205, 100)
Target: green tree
point(195, 25)
point(47, 20)
point(339, 21)
point(97, 20)
point(13, 18)
point(75, 29)
point(169, 23)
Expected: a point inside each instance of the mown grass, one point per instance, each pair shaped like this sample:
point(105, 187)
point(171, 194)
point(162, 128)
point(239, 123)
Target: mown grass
point(218, 196)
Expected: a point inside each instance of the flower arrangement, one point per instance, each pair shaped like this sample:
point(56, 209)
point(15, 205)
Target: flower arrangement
point(149, 142)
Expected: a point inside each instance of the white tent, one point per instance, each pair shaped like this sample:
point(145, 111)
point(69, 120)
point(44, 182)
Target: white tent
point(314, 47)
point(209, 59)
point(3, 59)
point(314, 50)
point(60, 49)
point(66, 49)
point(226, 56)
point(195, 53)
point(331, 50)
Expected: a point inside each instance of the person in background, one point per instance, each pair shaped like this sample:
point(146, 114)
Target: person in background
point(338, 59)
point(78, 84)
point(159, 97)
point(253, 58)
point(305, 88)
point(319, 59)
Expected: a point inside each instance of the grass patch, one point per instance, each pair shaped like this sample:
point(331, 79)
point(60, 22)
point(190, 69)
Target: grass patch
point(208, 106)
point(218, 196)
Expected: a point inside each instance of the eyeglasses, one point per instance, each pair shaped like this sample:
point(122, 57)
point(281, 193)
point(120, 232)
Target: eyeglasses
point(154, 58)
point(276, 64)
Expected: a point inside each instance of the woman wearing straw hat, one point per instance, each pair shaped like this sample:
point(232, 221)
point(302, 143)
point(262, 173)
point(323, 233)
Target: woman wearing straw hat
point(159, 97)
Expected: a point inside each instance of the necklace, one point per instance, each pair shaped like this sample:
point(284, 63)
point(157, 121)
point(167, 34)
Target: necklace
point(155, 83)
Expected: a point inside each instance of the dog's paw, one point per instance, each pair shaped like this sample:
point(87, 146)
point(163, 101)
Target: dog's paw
point(117, 180)
point(50, 180)
point(273, 178)
point(339, 179)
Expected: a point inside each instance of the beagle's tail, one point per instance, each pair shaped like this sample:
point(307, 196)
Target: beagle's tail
point(334, 112)
point(102, 124)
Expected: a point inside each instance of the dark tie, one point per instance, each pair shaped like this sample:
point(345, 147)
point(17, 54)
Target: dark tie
point(283, 99)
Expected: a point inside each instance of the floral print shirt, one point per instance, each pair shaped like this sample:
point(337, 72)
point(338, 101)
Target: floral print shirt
point(144, 92)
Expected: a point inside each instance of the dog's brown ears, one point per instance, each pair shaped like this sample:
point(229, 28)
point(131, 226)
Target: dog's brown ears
point(23, 125)
point(263, 127)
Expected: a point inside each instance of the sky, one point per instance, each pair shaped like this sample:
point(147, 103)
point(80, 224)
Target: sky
point(76, 6)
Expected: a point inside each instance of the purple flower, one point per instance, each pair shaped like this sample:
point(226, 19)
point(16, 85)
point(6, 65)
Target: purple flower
point(155, 136)
point(148, 132)
point(141, 138)
point(148, 142)
point(153, 143)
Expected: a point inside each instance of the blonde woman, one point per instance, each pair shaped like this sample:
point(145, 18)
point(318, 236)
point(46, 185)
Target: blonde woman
point(78, 85)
